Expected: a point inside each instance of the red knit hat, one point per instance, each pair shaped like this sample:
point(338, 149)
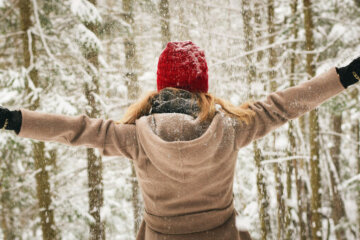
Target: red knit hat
point(182, 65)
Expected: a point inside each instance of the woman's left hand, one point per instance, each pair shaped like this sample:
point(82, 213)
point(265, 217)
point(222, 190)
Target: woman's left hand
point(350, 73)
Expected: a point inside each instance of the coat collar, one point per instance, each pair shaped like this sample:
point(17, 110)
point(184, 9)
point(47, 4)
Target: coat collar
point(180, 101)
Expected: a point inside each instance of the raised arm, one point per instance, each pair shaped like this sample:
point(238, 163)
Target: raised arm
point(110, 138)
point(291, 103)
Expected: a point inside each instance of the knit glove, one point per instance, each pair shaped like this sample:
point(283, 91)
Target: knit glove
point(10, 120)
point(349, 74)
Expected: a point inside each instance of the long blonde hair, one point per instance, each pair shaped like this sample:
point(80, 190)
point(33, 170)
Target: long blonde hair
point(206, 102)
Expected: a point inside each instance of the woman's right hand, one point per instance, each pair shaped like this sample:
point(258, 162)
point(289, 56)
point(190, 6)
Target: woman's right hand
point(10, 120)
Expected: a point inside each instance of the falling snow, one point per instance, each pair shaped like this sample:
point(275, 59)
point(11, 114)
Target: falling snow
point(241, 68)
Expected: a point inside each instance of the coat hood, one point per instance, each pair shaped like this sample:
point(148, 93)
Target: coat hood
point(176, 143)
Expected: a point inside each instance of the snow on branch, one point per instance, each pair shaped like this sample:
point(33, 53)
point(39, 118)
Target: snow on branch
point(349, 181)
point(279, 160)
point(86, 38)
point(244, 54)
point(85, 11)
point(42, 35)
point(11, 34)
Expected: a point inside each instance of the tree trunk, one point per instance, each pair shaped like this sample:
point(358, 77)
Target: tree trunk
point(94, 162)
point(6, 220)
point(249, 41)
point(289, 170)
point(356, 131)
point(273, 87)
point(292, 146)
point(164, 22)
point(315, 174)
point(183, 29)
point(358, 171)
point(294, 166)
point(338, 209)
point(133, 92)
point(258, 33)
point(42, 177)
point(263, 198)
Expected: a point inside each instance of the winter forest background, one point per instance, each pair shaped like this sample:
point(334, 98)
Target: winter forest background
point(97, 57)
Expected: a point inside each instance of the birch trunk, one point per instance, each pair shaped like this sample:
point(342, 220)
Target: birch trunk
point(42, 177)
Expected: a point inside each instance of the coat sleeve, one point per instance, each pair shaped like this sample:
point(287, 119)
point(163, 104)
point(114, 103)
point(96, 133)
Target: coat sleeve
point(110, 138)
point(287, 104)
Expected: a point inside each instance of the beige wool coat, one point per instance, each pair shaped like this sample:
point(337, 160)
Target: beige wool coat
point(185, 168)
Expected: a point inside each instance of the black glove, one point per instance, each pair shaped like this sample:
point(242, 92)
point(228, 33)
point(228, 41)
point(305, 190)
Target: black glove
point(10, 120)
point(349, 74)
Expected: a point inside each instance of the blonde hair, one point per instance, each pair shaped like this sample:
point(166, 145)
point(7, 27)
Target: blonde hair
point(206, 102)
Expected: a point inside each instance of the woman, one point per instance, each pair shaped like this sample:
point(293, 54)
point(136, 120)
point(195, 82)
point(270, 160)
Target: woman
point(183, 147)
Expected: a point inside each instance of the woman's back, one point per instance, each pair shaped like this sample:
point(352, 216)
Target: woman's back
point(186, 177)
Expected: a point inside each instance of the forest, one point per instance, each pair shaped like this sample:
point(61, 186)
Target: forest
point(97, 57)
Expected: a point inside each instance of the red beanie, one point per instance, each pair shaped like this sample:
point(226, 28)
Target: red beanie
point(182, 65)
